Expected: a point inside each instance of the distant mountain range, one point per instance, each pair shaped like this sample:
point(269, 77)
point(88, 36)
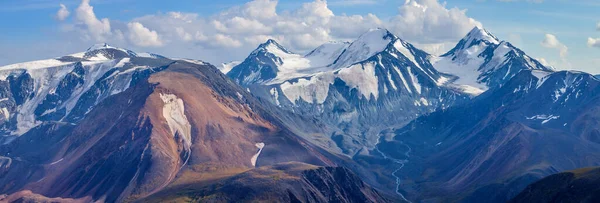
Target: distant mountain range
point(538, 123)
point(372, 120)
point(377, 81)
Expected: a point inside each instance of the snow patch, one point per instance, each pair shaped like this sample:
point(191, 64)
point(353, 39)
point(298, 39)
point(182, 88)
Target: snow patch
point(275, 95)
point(545, 118)
point(361, 77)
point(402, 48)
point(315, 88)
point(5, 113)
point(326, 54)
point(174, 113)
point(254, 158)
point(58, 161)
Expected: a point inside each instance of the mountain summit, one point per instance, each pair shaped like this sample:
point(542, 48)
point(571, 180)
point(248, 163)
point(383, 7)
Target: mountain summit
point(117, 127)
point(378, 78)
point(481, 61)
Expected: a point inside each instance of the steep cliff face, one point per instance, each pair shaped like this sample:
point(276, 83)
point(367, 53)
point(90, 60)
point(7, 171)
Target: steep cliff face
point(581, 185)
point(293, 181)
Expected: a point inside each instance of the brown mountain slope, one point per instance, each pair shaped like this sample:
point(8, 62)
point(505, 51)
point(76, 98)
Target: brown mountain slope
point(178, 124)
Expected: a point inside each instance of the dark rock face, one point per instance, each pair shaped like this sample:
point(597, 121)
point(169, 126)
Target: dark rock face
point(21, 87)
point(582, 185)
point(260, 62)
point(504, 140)
point(63, 92)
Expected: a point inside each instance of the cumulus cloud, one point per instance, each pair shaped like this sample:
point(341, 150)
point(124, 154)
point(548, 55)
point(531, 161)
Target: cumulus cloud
point(224, 40)
point(426, 23)
point(550, 41)
point(62, 13)
point(531, 1)
point(94, 28)
point(593, 42)
point(352, 2)
point(183, 35)
point(598, 26)
point(142, 36)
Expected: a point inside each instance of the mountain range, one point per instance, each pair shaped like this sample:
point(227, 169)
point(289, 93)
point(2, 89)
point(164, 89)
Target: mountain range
point(377, 81)
point(372, 120)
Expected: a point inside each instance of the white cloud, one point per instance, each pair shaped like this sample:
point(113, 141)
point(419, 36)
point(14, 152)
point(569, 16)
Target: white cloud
point(550, 41)
point(593, 42)
point(531, 1)
point(256, 9)
point(598, 26)
point(225, 41)
point(340, 25)
point(241, 25)
point(428, 21)
point(62, 13)
point(185, 36)
point(142, 36)
point(95, 29)
point(352, 2)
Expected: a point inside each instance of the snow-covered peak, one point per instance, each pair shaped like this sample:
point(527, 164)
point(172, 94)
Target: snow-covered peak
point(328, 48)
point(327, 53)
point(101, 52)
point(271, 46)
point(476, 40)
point(99, 46)
point(478, 33)
point(367, 45)
point(480, 61)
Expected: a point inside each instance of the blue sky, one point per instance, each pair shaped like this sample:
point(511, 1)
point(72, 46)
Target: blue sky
point(30, 29)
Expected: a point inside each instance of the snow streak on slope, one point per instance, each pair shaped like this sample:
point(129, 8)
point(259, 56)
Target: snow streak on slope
point(254, 158)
